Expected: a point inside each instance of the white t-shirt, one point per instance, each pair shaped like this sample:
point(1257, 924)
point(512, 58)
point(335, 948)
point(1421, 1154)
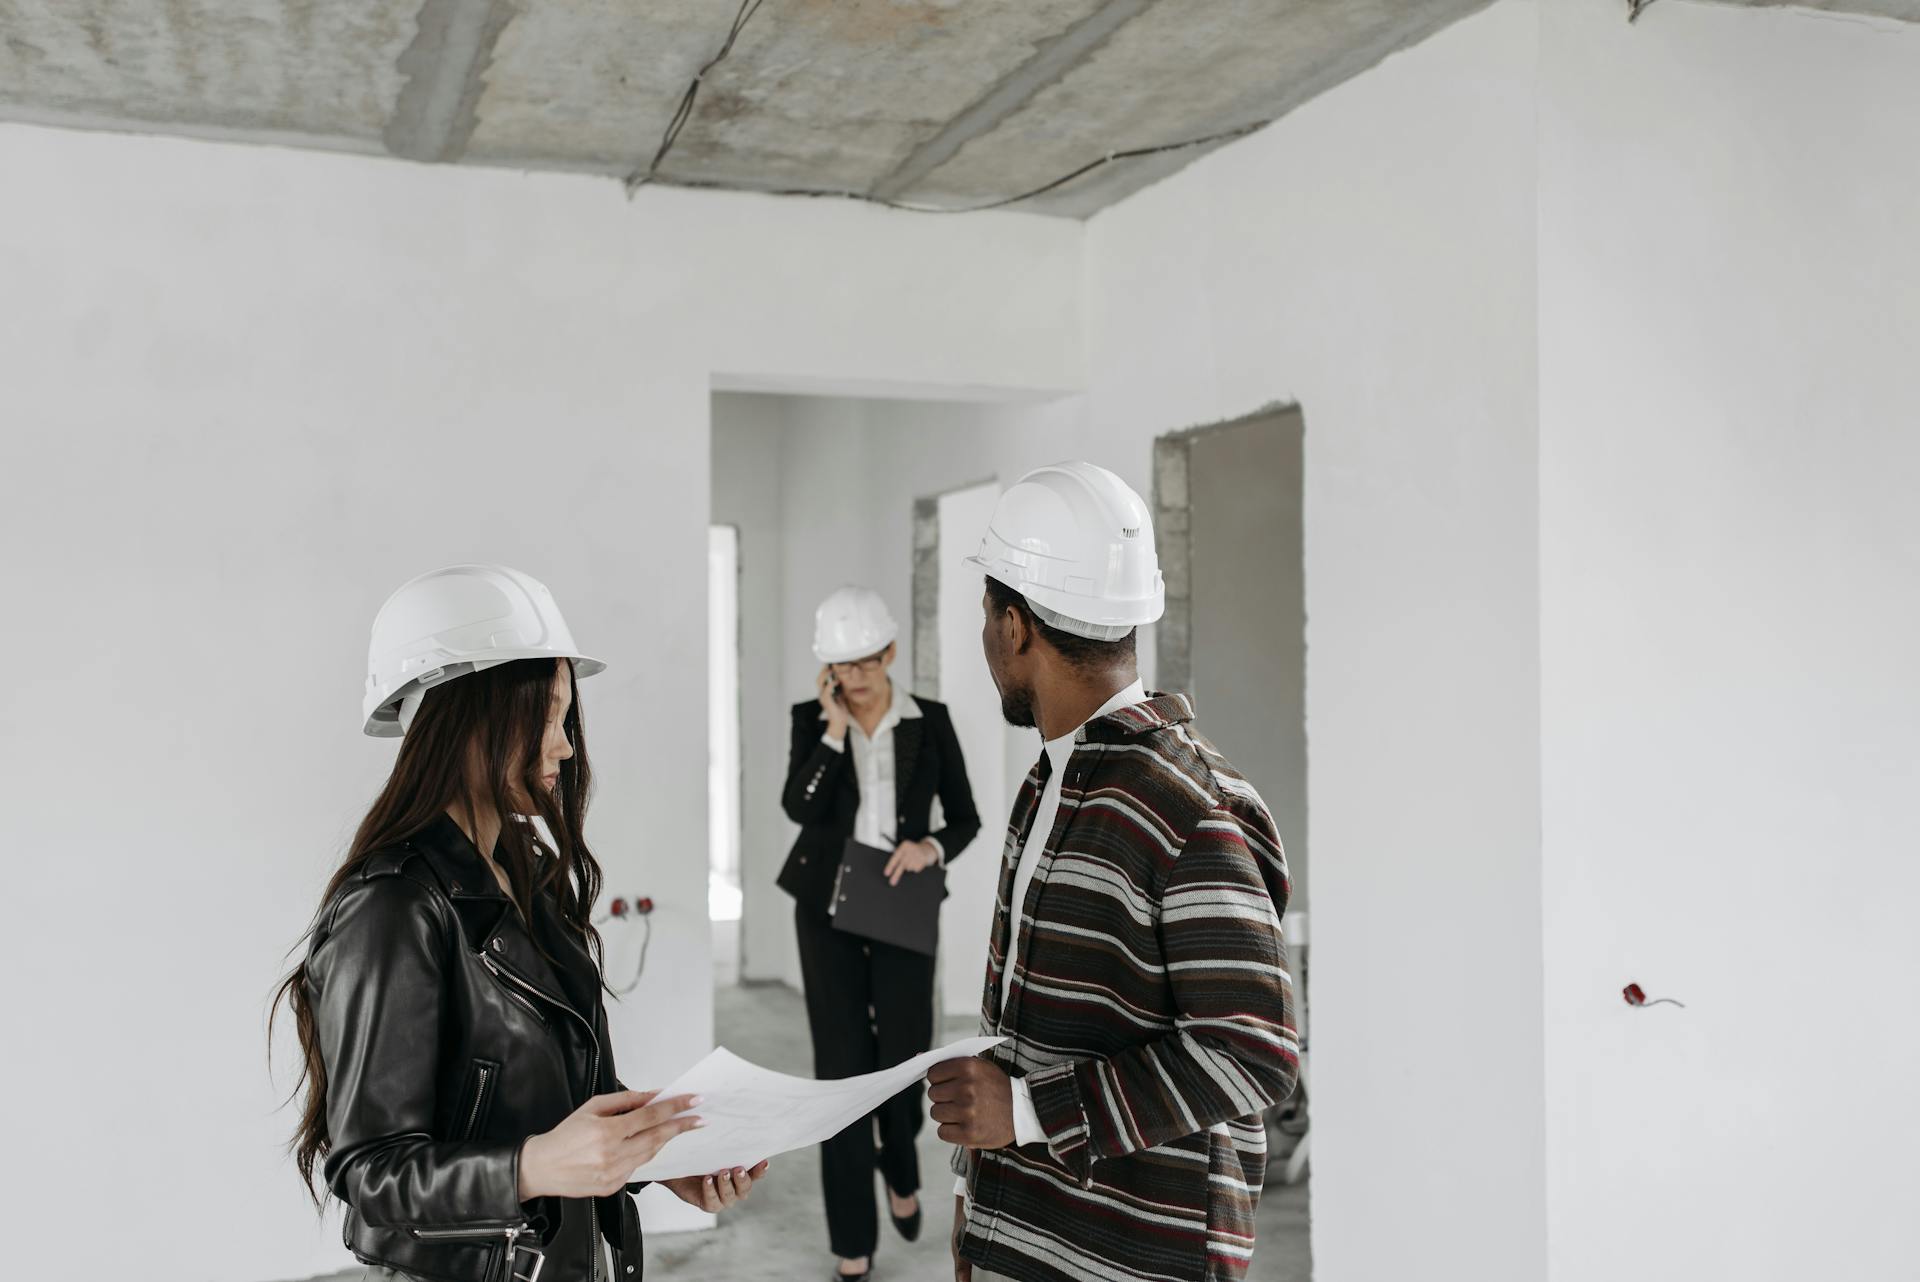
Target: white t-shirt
point(1026, 1121)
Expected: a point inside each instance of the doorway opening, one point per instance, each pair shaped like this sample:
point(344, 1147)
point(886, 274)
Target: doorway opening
point(948, 665)
point(723, 750)
point(1228, 512)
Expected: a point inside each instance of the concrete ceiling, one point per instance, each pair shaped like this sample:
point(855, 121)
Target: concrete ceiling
point(948, 103)
point(1905, 10)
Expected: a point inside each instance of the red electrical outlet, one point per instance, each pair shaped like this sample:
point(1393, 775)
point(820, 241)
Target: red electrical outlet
point(1637, 996)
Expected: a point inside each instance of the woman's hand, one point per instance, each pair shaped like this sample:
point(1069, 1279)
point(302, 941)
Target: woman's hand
point(716, 1192)
point(829, 692)
point(910, 856)
point(594, 1151)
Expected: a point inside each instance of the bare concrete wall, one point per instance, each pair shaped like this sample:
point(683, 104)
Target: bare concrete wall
point(1248, 614)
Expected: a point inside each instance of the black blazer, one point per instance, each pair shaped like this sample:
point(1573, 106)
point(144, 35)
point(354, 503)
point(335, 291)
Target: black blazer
point(823, 795)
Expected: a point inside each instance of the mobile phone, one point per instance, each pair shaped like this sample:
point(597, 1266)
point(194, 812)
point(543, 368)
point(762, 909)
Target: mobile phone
point(833, 685)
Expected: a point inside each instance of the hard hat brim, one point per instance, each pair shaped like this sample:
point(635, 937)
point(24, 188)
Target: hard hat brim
point(839, 656)
point(384, 721)
point(1069, 612)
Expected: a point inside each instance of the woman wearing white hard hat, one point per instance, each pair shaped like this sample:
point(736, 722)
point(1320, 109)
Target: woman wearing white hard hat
point(460, 1090)
point(871, 763)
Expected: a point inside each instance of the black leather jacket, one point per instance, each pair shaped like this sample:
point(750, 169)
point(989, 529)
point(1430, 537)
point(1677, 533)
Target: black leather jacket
point(448, 1040)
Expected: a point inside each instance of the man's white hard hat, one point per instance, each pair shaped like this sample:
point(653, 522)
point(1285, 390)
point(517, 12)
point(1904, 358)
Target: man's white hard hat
point(1077, 543)
point(454, 621)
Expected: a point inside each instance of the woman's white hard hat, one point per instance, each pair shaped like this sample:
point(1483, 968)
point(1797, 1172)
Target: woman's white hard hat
point(1077, 543)
point(454, 621)
point(852, 623)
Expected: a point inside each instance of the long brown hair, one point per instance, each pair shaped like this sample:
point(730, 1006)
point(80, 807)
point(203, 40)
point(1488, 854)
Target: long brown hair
point(474, 741)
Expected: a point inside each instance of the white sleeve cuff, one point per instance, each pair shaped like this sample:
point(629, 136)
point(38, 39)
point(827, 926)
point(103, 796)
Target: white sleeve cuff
point(959, 1186)
point(938, 850)
point(1026, 1119)
point(838, 745)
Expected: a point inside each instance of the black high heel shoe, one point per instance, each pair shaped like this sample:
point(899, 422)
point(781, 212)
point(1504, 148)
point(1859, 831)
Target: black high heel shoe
point(908, 1225)
point(838, 1276)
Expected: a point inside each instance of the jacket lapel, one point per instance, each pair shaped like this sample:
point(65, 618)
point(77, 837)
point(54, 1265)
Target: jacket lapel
point(486, 914)
point(906, 755)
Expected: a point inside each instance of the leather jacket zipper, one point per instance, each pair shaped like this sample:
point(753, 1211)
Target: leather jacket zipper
point(593, 1204)
point(593, 1082)
point(510, 1232)
point(513, 983)
point(492, 1230)
point(479, 1098)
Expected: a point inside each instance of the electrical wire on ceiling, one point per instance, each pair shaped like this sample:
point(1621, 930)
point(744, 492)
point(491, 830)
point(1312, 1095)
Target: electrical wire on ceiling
point(685, 110)
point(748, 8)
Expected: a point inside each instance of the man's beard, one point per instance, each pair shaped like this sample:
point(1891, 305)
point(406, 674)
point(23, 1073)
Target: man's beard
point(1017, 707)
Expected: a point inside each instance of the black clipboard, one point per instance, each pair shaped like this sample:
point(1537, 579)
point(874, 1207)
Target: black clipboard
point(906, 915)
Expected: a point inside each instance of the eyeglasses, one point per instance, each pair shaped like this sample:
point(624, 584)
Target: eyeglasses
point(872, 663)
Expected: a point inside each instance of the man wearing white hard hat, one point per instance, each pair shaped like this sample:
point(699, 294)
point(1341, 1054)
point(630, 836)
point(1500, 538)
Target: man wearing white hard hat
point(460, 1093)
point(872, 765)
point(1135, 966)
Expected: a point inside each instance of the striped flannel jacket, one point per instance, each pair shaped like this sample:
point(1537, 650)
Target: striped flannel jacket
point(1150, 1012)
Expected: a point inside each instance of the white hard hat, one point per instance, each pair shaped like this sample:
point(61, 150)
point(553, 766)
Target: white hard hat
point(850, 624)
point(450, 622)
point(1077, 543)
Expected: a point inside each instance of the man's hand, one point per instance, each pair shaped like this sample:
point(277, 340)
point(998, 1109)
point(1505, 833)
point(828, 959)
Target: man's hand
point(972, 1101)
point(962, 1269)
point(909, 856)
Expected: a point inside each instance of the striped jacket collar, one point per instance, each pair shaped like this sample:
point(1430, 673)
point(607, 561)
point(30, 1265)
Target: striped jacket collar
point(1159, 712)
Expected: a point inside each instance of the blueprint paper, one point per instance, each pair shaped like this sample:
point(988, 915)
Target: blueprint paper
point(754, 1113)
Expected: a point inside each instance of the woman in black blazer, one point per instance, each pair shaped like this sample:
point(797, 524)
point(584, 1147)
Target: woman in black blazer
point(869, 761)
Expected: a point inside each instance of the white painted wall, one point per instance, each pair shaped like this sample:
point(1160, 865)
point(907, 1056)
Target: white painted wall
point(246, 392)
point(1730, 306)
point(1372, 257)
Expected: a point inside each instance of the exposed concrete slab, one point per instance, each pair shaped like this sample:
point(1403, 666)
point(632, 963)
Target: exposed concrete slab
point(625, 68)
point(1904, 10)
point(834, 95)
point(949, 102)
point(444, 66)
point(291, 68)
point(1052, 59)
point(1183, 69)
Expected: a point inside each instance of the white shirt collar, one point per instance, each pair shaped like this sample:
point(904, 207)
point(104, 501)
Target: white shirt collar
point(1060, 748)
point(902, 707)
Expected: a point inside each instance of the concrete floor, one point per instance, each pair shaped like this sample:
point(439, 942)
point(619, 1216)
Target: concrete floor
point(782, 1234)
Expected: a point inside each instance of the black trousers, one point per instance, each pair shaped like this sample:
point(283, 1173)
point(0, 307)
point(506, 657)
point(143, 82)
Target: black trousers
point(870, 1006)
